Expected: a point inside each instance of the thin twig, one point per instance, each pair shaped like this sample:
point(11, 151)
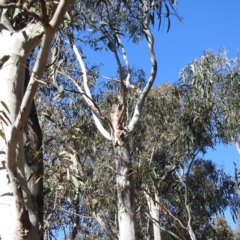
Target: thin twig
point(76, 214)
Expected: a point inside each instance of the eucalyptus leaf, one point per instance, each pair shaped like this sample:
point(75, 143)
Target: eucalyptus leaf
point(3, 60)
point(5, 106)
point(75, 181)
point(2, 134)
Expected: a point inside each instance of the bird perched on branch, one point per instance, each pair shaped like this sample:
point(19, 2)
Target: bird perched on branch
point(119, 98)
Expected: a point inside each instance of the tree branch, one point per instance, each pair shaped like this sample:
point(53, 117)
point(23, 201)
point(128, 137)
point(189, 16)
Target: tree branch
point(88, 97)
point(162, 228)
point(93, 106)
point(190, 230)
point(237, 146)
point(38, 70)
point(169, 215)
point(117, 80)
point(143, 94)
point(45, 17)
point(127, 81)
point(59, 14)
point(106, 228)
point(5, 23)
point(114, 50)
point(21, 119)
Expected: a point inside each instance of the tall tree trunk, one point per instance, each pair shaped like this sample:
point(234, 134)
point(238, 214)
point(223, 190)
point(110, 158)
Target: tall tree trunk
point(18, 216)
point(154, 211)
point(124, 178)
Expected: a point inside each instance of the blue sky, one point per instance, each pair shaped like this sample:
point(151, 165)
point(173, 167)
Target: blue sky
point(207, 24)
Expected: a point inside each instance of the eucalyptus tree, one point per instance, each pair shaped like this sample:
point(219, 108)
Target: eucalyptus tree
point(182, 191)
point(79, 176)
point(162, 155)
point(181, 123)
point(107, 31)
point(24, 25)
point(223, 230)
point(211, 85)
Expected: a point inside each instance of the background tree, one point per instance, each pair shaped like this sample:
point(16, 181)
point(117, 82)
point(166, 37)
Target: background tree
point(162, 153)
point(223, 230)
point(103, 24)
point(168, 165)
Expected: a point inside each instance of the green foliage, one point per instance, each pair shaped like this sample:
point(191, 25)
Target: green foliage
point(223, 230)
point(4, 117)
point(178, 122)
point(163, 162)
point(3, 60)
point(211, 85)
point(161, 156)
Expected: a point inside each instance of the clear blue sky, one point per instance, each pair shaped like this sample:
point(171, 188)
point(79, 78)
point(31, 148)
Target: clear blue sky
point(207, 24)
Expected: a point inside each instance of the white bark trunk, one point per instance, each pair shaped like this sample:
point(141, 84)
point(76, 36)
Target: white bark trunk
point(125, 194)
point(154, 211)
point(125, 186)
point(12, 75)
point(18, 217)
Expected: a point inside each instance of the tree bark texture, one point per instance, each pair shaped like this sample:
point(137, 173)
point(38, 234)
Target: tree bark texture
point(124, 177)
point(18, 218)
point(33, 156)
point(19, 215)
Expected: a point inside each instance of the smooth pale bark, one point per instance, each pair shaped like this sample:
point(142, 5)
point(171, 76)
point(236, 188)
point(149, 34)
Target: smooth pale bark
point(187, 205)
point(154, 211)
point(88, 96)
point(18, 212)
point(14, 220)
point(124, 178)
